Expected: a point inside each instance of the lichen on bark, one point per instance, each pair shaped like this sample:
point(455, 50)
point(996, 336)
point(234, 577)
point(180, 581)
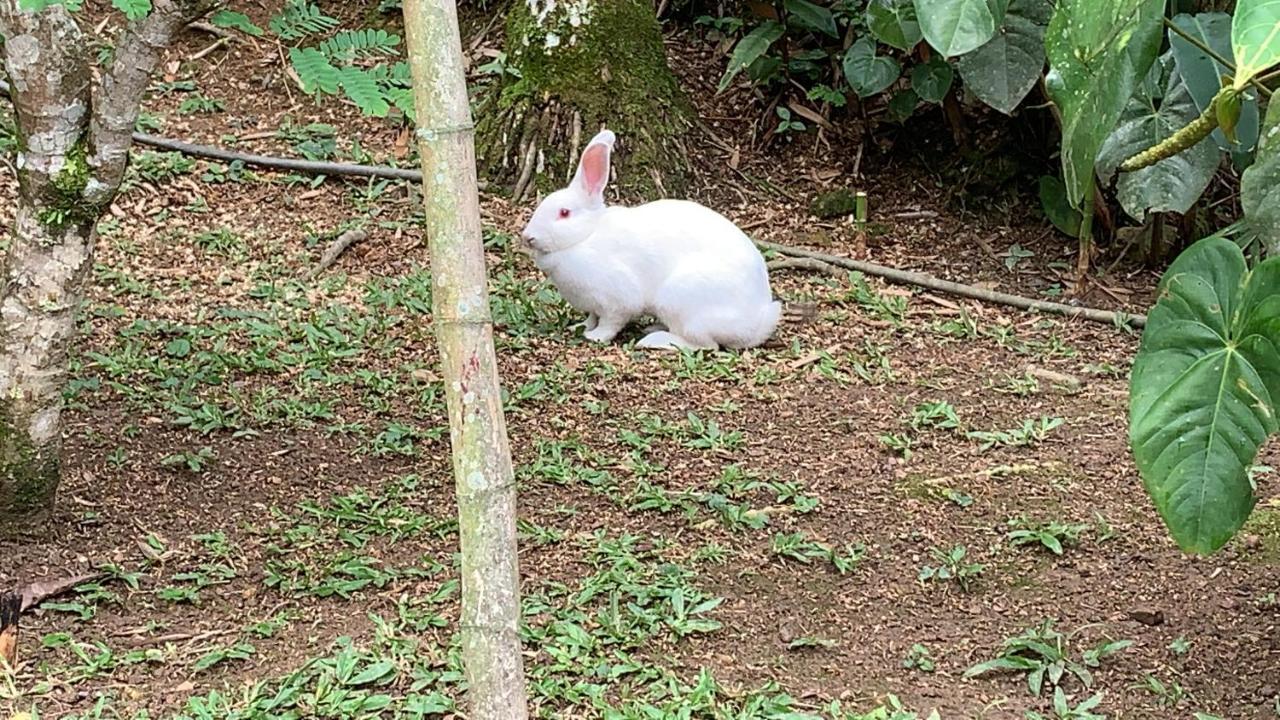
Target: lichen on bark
point(574, 66)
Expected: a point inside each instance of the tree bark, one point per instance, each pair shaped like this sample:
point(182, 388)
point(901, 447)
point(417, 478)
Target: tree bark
point(575, 67)
point(491, 648)
point(73, 146)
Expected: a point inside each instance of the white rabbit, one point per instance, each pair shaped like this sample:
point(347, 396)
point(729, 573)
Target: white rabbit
point(683, 263)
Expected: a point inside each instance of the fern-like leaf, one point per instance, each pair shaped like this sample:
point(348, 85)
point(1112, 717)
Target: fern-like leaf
point(133, 9)
point(314, 70)
point(364, 91)
point(299, 19)
point(368, 43)
point(402, 99)
point(235, 21)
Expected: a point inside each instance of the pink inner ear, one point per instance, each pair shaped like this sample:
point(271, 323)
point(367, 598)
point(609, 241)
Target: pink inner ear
point(595, 168)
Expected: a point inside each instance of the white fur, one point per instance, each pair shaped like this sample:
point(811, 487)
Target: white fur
point(681, 262)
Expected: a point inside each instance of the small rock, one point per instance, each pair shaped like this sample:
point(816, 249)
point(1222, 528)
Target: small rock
point(1252, 542)
point(786, 634)
point(1147, 616)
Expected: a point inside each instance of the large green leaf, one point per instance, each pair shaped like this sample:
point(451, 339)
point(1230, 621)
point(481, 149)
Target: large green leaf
point(1204, 388)
point(813, 17)
point(1056, 207)
point(1003, 71)
point(955, 27)
point(1160, 107)
point(866, 72)
point(894, 23)
point(749, 49)
point(1260, 185)
point(1099, 50)
point(1255, 38)
point(1203, 75)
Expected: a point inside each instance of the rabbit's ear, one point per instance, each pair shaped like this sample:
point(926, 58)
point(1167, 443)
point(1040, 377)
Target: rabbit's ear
point(593, 168)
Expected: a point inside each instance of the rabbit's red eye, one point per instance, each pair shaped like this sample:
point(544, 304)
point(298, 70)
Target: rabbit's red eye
point(564, 213)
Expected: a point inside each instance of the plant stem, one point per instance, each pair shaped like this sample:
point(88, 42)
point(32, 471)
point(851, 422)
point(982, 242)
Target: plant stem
point(1199, 45)
point(1086, 233)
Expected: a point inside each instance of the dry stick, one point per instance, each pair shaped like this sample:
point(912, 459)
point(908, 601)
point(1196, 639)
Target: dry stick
point(278, 163)
point(806, 264)
point(336, 248)
point(933, 283)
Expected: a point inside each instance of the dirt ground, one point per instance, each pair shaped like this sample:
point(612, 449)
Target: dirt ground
point(258, 464)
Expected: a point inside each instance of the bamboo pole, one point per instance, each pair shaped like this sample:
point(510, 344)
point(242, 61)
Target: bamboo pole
point(491, 649)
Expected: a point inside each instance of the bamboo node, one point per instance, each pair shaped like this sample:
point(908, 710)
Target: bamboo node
point(435, 133)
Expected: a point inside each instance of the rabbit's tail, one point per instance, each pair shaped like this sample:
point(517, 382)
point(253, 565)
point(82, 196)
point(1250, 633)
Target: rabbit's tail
point(768, 321)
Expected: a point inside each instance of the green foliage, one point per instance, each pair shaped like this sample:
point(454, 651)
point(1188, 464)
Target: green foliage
point(368, 44)
point(1255, 38)
point(1041, 653)
point(1260, 185)
point(1203, 390)
point(955, 27)
point(1203, 75)
point(1056, 206)
point(235, 21)
point(750, 49)
point(299, 19)
point(1161, 105)
point(1098, 52)
point(133, 9)
point(811, 16)
point(932, 80)
point(894, 23)
point(867, 73)
point(1003, 71)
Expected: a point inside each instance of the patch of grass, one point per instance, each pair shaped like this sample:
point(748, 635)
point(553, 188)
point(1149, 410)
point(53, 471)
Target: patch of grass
point(1030, 432)
point(953, 566)
point(1042, 655)
point(1051, 535)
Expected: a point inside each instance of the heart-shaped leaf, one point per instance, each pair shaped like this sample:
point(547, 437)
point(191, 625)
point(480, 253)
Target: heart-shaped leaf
point(866, 72)
point(903, 104)
point(1260, 185)
point(893, 22)
point(1255, 38)
point(1161, 106)
point(955, 27)
point(1098, 50)
point(932, 80)
point(1003, 71)
point(813, 17)
point(749, 49)
point(1203, 75)
point(1203, 390)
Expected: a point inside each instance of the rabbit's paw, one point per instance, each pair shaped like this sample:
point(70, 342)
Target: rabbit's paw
point(600, 334)
point(663, 340)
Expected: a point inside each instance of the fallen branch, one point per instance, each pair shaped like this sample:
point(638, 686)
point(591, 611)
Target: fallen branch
point(278, 163)
point(928, 281)
point(267, 161)
point(336, 248)
point(805, 264)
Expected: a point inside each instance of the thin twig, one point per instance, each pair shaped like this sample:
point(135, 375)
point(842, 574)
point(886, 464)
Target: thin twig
point(928, 281)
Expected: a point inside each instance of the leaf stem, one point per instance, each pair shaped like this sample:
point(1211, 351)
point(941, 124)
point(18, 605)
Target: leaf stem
point(1199, 44)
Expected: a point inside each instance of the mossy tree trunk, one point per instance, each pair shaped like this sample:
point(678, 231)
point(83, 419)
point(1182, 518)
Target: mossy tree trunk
point(574, 67)
point(74, 137)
